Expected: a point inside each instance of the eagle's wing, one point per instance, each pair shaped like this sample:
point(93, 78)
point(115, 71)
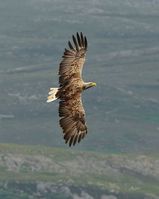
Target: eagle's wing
point(70, 107)
point(73, 119)
point(73, 59)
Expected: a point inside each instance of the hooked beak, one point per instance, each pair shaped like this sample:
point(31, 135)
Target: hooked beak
point(94, 84)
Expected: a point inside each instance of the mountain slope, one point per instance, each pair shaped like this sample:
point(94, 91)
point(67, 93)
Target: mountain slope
point(50, 170)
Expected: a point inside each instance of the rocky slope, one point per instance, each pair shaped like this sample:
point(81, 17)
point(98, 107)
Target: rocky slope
point(46, 172)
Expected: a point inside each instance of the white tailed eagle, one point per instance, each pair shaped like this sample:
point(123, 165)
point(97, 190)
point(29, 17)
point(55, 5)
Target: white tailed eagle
point(71, 86)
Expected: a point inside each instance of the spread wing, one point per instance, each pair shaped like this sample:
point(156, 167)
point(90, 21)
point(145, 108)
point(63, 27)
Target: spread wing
point(73, 120)
point(73, 59)
point(71, 109)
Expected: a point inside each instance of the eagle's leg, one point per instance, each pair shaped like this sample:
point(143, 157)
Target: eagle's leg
point(52, 95)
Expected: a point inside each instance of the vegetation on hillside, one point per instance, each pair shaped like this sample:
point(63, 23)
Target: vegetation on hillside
point(55, 169)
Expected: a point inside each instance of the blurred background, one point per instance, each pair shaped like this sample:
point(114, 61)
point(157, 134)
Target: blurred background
point(122, 111)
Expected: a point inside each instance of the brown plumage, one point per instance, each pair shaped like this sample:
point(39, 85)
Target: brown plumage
point(71, 85)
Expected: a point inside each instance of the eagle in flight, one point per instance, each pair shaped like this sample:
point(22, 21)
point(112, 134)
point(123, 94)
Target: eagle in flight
point(71, 86)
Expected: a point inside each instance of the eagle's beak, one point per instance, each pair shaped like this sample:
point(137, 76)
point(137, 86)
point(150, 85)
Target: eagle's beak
point(94, 84)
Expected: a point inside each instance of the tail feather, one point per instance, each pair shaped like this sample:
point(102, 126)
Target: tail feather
point(52, 95)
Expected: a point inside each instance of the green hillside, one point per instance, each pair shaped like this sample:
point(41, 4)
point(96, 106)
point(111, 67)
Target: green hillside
point(33, 170)
point(118, 159)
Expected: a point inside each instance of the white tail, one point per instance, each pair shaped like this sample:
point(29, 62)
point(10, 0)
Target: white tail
point(52, 95)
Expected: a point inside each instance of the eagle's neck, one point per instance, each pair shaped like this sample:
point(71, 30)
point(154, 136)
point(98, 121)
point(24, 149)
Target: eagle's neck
point(87, 85)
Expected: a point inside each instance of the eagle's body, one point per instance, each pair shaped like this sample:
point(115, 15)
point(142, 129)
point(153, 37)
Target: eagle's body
point(71, 86)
